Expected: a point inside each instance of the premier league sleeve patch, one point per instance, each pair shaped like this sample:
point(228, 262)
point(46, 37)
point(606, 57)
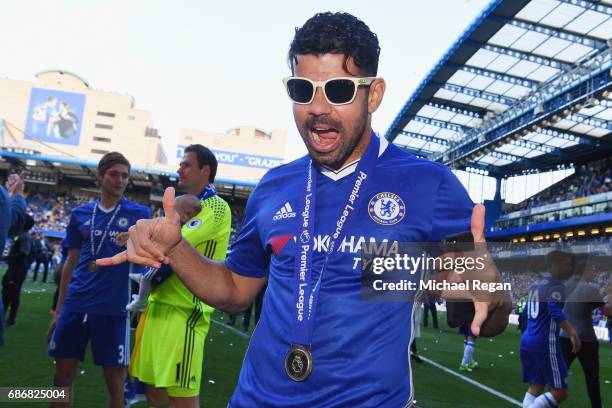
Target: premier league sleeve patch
point(193, 224)
point(386, 208)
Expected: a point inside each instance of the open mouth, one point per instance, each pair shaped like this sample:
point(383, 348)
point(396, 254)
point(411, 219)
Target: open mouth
point(324, 138)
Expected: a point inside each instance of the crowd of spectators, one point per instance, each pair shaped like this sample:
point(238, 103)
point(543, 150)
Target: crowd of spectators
point(237, 217)
point(589, 179)
point(522, 281)
point(51, 212)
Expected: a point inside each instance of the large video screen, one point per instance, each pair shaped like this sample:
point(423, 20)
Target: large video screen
point(55, 116)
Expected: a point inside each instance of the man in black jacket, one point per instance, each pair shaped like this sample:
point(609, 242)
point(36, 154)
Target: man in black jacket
point(40, 250)
point(17, 270)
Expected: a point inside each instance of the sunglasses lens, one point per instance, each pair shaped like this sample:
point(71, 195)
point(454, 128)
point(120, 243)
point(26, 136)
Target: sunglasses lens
point(300, 90)
point(340, 90)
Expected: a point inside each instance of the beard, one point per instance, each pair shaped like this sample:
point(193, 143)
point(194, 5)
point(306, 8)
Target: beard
point(350, 137)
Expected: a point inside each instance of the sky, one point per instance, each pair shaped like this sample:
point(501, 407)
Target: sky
point(216, 65)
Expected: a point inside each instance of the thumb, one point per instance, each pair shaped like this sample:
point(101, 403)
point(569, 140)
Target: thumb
point(168, 205)
point(481, 311)
point(477, 223)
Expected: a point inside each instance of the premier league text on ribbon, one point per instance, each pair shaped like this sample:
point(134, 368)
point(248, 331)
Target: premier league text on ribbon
point(306, 285)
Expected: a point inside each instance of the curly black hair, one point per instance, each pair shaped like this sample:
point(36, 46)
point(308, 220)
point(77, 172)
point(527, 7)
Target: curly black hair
point(337, 33)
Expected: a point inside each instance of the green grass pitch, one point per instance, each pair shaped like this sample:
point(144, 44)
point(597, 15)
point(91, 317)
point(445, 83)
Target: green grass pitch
point(24, 362)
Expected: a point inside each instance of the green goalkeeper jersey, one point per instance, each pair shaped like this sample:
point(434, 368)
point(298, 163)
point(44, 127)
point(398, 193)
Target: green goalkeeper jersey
point(208, 232)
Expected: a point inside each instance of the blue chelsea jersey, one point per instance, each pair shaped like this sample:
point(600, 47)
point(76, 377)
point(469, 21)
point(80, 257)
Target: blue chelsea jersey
point(107, 290)
point(360, 349)
point(544, 310)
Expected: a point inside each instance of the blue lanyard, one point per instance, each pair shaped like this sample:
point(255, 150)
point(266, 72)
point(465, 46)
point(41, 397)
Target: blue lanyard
point(95, 252)
point(208, 191)
point(305, 294)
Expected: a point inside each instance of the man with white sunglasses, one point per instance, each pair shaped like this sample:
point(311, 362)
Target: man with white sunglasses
point(318, 344)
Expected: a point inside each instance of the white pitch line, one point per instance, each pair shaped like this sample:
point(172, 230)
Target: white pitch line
point(473, 382)
point(233, 329)
point(433, 363)
point(34, 290)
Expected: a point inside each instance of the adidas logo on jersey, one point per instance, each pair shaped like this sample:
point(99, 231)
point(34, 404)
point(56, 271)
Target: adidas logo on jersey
point(285, 212)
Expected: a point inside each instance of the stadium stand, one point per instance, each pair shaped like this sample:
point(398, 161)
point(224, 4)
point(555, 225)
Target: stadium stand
point(51, 212)
point(585, 193)
point(589, 179)
point(237, 217)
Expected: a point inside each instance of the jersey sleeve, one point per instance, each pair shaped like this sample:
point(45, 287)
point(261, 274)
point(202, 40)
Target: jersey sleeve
point(73, 239)
point(555, 303)
point(248, 256)
point(145, 213)
point(203, 232)
point(452, 208)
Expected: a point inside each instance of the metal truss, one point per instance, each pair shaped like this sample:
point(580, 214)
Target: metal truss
point(515, 80)
point(452, 109)
point(504, 100)
point(598, 123)
point(566, 89)
point(590, 5)
point(556, 33)
point(523, 56)
point(441, 124)
point(431, 139)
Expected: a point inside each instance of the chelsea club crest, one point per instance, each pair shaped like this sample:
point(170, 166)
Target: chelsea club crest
point(386, 208)
point(122, 222)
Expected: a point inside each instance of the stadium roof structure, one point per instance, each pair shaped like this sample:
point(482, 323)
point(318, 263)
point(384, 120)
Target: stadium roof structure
point(527, 86)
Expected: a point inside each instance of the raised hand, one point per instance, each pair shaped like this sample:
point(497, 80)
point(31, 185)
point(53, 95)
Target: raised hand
point(151, 240)
point(491, 308)
point(14, 183)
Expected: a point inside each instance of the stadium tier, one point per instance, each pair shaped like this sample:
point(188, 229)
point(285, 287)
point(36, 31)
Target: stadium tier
point(583, 199)
point(526, 90)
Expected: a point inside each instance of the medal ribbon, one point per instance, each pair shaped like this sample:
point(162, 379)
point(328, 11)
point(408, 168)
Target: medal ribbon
point(93, 229)
point(305, 294)
point(208, 191)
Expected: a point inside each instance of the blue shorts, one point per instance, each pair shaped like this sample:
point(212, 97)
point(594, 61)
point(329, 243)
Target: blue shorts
point(544, 368)
point(110, 338)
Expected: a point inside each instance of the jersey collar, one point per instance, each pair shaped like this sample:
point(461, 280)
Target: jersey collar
point(349, 169)
point(108, 210)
